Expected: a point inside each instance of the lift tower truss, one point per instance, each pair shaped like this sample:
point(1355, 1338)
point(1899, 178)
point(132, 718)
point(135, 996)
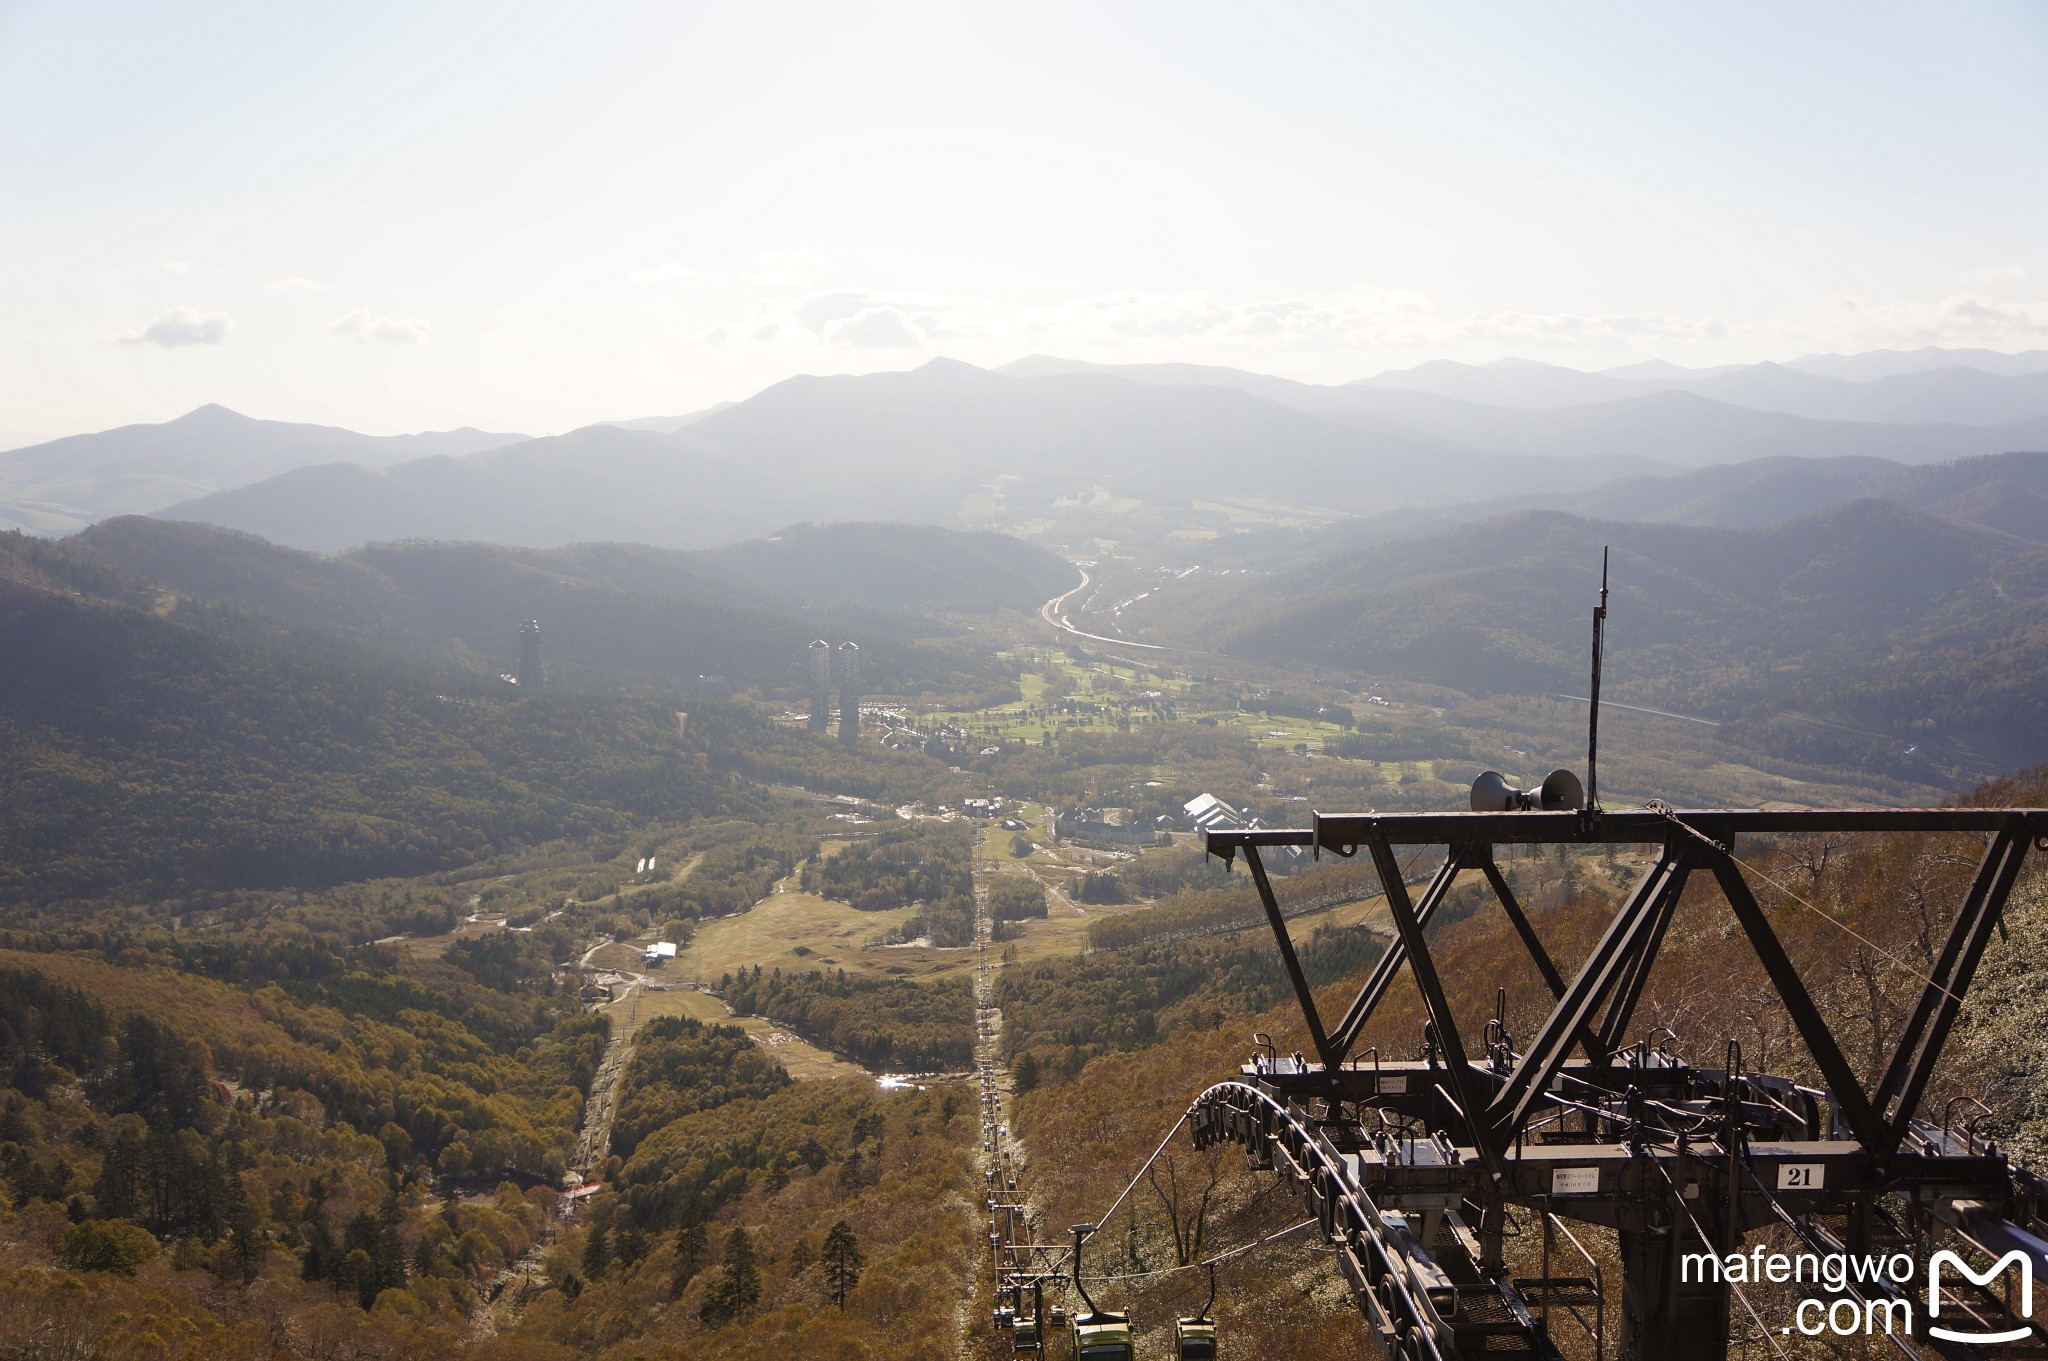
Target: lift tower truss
point(1414, 1166)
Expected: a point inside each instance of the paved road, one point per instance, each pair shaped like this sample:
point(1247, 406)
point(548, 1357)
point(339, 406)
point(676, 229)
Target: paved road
point(1050, 612)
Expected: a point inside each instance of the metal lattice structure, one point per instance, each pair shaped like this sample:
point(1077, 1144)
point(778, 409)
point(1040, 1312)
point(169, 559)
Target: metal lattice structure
point(1414, 1167)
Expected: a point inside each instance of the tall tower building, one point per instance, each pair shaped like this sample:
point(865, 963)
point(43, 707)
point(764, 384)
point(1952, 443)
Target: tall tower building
point(849, 693)
point(820, 656)
point(530, 675)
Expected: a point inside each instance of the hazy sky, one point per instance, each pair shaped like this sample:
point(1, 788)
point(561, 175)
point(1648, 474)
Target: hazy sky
point(528, 217)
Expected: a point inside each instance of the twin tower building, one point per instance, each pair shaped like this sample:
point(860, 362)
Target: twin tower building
point(841, 671)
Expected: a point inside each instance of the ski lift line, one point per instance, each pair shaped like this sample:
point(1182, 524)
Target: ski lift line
point(1678, 1199)
point(1632, 708)
point(1217, 1260)
point(1414, 1308)
point(1105, 1216)
point(1789, 892)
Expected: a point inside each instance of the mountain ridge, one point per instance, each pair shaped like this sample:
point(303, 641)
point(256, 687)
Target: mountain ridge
point(65, 484)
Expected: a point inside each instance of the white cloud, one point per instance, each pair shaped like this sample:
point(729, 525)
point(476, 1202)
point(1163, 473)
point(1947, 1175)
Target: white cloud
point(296, 284)
point(359, 325)
point(1361, 320)
point(1960, 319)
point(673, 272)
point(789, 268)
point(181, 326)
point(176, 266)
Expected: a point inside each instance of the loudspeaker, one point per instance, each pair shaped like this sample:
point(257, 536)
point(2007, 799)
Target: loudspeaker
point(1491, 793)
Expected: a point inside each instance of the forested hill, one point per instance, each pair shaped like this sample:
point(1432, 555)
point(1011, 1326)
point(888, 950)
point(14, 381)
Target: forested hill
point(144, 756)
point(620, 612)
point(899, 566)
point(1868, 614)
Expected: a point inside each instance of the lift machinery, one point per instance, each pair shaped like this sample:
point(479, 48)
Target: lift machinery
point(1414, 1167)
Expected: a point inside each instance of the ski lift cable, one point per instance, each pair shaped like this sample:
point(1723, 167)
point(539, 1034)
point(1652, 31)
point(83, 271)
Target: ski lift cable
point(1206, 1262)
point(1679, 1200)
point(1104, 1218)
point(1790, 892)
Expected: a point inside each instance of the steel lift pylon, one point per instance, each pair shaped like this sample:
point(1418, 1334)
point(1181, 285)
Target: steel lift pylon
point(1413, 1167)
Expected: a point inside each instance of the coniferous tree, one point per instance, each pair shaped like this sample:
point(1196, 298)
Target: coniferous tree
point(738, 1289)
point(243, 1239)
point(323, 1255)
point(843, 1261)
point(690, 1244)
point(114, 1192)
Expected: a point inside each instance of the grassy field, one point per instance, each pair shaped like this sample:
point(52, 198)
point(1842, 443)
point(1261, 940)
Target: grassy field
point(797, 931)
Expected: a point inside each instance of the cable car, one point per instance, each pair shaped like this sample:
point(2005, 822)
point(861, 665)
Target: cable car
point(1024, 1340)
point(1098, 1334)
point(1102, 1336)
point(1194, 1339)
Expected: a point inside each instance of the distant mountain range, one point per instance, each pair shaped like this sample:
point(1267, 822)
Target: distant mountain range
point(1951, 393)
point(944, 444)
point(1845, 636)
point(2003, 492)
point(1044, 446)
point(1541, 409)
point(68, 483)
point(610, 609)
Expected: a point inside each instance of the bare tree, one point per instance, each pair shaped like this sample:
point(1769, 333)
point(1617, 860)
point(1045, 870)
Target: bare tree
point(1185, 1195)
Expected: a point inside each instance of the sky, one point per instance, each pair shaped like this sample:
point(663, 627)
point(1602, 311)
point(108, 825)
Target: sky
point(528, 217)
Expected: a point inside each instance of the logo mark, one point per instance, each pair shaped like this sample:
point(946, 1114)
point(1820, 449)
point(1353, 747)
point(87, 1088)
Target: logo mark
point(1975, 1278)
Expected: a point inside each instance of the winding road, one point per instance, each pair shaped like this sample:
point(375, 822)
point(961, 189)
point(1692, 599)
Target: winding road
point(1050, 612)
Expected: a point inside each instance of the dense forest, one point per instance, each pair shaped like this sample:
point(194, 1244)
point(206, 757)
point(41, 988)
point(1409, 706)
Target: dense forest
point(681, 1066)
point(887, 1024)
point(1060, 1013)
point(926, 865)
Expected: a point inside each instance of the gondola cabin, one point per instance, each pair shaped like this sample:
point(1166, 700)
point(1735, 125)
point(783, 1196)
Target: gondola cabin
point(1024, 1340)
point(1102, 1337)
point(1194, 1339)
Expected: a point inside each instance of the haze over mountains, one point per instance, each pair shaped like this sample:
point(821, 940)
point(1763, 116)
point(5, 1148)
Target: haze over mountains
point(1863, 594)
point(613, 609)
point(68, 483)
point(1860, 633)
point(1031, 445)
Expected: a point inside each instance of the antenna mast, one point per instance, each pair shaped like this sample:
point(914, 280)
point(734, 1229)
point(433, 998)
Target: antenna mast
point(1593, 721)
